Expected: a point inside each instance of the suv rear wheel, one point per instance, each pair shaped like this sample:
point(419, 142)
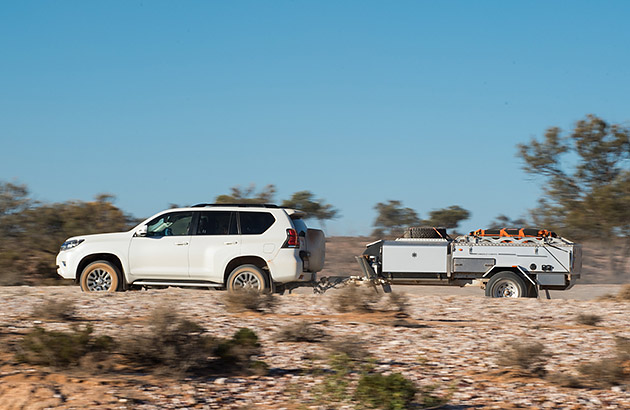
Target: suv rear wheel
point(99, 276)
point(247, 277)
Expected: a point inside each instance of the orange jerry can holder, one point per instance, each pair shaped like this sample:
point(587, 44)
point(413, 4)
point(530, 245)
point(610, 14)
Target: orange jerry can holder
point(516, 233)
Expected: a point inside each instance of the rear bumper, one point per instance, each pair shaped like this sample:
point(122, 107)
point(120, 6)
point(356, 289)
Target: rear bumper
point(287, 267)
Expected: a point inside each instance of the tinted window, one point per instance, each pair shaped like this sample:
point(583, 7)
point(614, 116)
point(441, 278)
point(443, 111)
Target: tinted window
point(217, 223)
point(300, 226)
point(173, 224)
point(255, 223)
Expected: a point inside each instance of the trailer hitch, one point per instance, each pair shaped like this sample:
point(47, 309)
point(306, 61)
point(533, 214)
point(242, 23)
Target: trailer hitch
point(369, 277)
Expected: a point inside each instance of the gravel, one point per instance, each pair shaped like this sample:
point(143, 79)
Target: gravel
point(448, 342)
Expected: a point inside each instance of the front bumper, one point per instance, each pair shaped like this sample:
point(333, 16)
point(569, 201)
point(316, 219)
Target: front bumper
point(65, 265)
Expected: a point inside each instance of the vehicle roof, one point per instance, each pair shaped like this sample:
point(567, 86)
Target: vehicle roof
point(293, 213)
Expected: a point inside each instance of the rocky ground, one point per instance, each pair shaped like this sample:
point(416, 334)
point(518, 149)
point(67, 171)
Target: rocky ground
point(447, 343)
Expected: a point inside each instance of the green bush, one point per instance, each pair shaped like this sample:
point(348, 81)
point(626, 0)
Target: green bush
point(236, 353)
point(391, 392)
point(60, 349)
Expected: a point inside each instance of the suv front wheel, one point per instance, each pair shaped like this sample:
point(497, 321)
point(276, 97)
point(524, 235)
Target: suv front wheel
point(247, 277)
point(99, 276)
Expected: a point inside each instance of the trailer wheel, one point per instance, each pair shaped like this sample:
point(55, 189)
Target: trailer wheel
point(507, 285)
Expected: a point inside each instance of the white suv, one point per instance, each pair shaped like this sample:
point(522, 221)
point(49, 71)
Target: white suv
point(264, 247)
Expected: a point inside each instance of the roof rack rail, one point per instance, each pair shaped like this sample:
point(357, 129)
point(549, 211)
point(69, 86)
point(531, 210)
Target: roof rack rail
point(242, 205)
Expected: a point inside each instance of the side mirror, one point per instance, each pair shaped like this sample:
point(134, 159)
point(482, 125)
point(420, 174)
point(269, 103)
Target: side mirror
point(142, 231)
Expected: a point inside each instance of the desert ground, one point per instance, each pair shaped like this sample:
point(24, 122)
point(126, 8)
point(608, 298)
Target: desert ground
point(452, 343)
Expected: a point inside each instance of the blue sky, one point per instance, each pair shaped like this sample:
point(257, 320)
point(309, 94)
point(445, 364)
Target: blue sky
point(357, 101)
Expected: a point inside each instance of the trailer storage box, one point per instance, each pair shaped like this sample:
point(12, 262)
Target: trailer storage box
point(415, 255)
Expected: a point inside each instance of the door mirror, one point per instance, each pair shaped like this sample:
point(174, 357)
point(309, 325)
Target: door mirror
point(142, 231)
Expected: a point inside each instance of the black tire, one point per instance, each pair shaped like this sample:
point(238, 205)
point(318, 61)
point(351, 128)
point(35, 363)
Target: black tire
point(424, 232)
point(507, 285)
point(100, 276)
point(248, 277)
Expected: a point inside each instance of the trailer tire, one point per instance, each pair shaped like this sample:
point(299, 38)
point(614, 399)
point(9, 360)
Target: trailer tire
point(425, 232)
point(507, 284)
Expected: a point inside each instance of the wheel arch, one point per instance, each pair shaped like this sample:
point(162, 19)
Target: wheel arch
point(515, 269)
point(109, 257)
point(246, 260)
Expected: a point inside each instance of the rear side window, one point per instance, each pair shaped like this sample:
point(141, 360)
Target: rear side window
point(300, 226)
point(255, 223)
point(217, 223)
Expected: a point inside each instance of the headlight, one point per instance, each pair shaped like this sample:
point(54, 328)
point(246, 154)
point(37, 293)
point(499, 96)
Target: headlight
point(71, 244)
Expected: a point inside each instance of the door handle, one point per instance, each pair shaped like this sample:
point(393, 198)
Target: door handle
point(230, 243)
point(182, 244)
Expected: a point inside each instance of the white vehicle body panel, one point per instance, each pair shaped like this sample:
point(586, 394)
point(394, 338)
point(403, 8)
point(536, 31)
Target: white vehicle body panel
point(159, 257)
point(209, 255)
point(190, 257)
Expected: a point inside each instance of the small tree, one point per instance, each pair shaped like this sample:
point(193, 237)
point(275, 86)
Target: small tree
point(588, 195)
point(314, 208)
point(392, 218)
point(449, 217)
point(503, 221)
point(248, 195)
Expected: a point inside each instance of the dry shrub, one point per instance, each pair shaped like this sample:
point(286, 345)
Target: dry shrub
point(355, 298)
point(172, 344)
point(51, 309)
point(61, 349)
point(606, 298)
point(398, 301)
point(609, 371)
point(249, 300)
point(300, 332)
point(624, 293)
point(352, 347)
point(602, 373)
point(526, 357)
point(588, 319)
point(564, 380)
point(178, 346)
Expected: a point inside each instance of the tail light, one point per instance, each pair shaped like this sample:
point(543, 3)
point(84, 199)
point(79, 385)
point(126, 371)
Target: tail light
point(293, 240)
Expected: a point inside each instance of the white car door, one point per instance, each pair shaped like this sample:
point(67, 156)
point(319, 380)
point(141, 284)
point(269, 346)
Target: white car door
point(213, 245)
point(163, 252)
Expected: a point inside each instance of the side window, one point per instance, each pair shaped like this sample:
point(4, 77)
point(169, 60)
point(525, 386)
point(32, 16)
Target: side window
point(173, 224)
point(217, 223)
point(300, 226)
point(255, 223)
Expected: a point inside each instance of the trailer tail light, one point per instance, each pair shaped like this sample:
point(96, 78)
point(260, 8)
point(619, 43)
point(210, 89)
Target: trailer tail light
point(293, 240)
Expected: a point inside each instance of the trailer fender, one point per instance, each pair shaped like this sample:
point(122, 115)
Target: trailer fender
point(519, 270)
